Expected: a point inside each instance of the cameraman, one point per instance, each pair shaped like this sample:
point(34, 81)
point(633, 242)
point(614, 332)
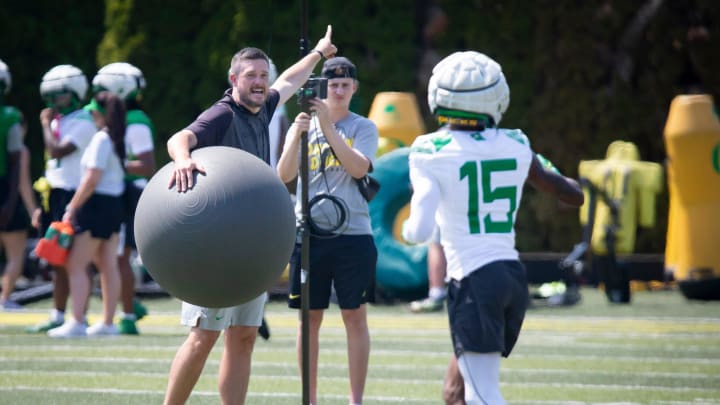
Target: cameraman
point(341, 149)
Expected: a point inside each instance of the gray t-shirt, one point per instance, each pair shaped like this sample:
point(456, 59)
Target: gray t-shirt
point(327, 176)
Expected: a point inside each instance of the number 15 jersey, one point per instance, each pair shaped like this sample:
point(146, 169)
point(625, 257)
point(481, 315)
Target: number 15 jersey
point(470, 183)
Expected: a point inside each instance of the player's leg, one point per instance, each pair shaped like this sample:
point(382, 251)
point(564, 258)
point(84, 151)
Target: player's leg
point(13, 243)
point(481, 374)
point(453, 386)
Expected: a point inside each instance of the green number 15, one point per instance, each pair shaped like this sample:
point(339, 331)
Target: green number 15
point(487, 167)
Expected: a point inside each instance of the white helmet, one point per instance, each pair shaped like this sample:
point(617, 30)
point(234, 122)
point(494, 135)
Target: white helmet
point(469, 81)
point(5, 77)
point(120, 78)
point(64, 78)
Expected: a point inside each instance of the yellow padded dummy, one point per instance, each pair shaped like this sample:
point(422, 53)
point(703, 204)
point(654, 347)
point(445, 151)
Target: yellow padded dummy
point(397, 117)
point(692, 141)
point(632, 184)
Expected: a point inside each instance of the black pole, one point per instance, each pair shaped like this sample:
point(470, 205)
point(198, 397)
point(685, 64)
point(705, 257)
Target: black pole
point(304, 229)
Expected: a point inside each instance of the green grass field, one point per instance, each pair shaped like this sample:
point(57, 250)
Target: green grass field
point(661, 349)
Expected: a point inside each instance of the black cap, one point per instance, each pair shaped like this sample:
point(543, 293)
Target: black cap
point(339, 67)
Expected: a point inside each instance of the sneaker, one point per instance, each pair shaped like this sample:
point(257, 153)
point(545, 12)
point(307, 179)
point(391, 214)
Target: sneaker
point(44, 327)
point(127, 327)
point(100, 329)
point(139, 309)
point(570, 297)
point(10, 305)
point(264, 330)
point(427, 305)
point(69, 329)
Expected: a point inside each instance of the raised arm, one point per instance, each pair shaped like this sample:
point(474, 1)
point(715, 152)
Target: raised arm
point(55, 148)
point(296, 75)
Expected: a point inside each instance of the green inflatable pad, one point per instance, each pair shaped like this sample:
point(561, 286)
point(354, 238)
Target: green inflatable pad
point(401, 268)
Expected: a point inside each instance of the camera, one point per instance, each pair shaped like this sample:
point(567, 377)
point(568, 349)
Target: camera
point(315, 87)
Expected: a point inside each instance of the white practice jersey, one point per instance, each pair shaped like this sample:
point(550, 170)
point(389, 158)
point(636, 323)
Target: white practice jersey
point(470, 183)
point(79, 128)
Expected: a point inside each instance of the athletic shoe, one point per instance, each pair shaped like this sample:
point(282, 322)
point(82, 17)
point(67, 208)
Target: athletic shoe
point(10, 305)
point(427, 305)
point(44, 327)
point(139, 310)
point(69, 329)
point(100, 329)
point(264, 330)
point(571, 296)
point(127, 327)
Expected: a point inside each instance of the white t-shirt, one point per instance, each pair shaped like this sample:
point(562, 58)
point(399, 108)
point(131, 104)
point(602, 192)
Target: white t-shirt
point(138, 140)
point(470, 183)
point(100, 154)
point(78, 127)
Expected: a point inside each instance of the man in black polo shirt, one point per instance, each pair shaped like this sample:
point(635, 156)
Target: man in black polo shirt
point(239, 119)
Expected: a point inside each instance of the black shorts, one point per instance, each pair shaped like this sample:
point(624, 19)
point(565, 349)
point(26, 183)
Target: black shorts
point(486, 309)
point(19, 219)
point(101, 215)
point(130, 200)
point(347, 261)
point(59, 199)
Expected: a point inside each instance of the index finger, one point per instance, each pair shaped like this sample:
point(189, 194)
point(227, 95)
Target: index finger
point(328, 33)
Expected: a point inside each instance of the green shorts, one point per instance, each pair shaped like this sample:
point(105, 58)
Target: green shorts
point(247, 314)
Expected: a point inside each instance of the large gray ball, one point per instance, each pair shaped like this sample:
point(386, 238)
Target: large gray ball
point(223, 242)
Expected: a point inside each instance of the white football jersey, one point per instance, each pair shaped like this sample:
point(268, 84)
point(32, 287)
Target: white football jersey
point(470, 183)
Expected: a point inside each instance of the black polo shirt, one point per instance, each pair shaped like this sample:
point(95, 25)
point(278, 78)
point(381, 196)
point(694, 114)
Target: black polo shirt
point(226, 123)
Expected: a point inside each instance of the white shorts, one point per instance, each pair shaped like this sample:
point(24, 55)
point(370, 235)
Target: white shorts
point(247, 314)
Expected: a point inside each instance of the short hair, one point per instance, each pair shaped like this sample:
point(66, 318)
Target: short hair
point(246, 54)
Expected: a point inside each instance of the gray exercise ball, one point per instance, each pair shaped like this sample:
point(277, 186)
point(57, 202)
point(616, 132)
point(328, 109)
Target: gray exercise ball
point(223, 242)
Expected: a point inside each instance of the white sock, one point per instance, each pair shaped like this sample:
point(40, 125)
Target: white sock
point(481, 373)
point(57, 315)
point(130, 317)
point(437, 293)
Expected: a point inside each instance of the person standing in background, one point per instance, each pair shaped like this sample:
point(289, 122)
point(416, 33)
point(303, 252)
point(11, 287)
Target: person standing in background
point(95, 212)
point(67, 131)
point(127, 82)
point(14, 183)
point(342, 146)
point(279, 124)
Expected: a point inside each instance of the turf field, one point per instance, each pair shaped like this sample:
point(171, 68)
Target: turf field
point(661, 349)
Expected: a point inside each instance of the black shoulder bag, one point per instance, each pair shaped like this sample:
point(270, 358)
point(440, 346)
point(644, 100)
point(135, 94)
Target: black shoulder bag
point(368, 185)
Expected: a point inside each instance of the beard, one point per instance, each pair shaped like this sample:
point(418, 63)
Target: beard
point(247, 100)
